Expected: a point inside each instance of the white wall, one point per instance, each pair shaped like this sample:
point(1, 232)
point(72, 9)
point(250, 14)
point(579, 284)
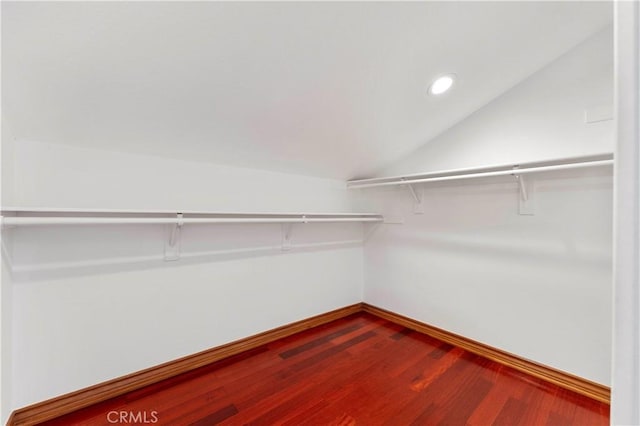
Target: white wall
point(94, 303)
point(53, 175)
point(6, 285)
point(537, 286)
point(6, 171)
point(5, 341)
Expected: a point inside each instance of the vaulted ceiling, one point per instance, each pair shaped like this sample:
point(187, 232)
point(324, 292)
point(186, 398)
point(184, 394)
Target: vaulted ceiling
point(325, 89)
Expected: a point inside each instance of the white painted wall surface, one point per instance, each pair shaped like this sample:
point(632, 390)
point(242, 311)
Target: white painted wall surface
point(6, 285)
point(91, 303)
point(6, 163)
point(537, 286)
point(75, 331)
point(5, 341)
point(54, 175)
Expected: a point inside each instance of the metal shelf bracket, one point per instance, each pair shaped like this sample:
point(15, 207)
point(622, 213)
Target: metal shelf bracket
point(418, 196)
point(525, 199)
point(175, 232)
point(172, 247)
point(287, 231)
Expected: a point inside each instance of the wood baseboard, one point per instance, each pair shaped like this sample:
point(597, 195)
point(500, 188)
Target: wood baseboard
point(568, 381)
point(68, 403)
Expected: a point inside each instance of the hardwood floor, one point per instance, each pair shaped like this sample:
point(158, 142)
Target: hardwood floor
point(360, 370)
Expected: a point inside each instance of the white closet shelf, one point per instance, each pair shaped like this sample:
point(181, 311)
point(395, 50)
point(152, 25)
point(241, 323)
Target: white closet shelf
point(63, 210)
point(39, 216)
point(596, 160)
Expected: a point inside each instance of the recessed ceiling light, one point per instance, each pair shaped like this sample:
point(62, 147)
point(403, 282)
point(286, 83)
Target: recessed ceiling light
point(442, 84)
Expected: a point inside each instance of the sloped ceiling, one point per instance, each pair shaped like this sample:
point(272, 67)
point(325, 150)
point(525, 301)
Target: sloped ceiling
point(326, 89)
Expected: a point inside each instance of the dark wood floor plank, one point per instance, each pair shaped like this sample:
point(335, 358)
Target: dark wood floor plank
point(411, 352)
point(342, 381)
point(425, 417)
point(435, 370)
point(291, 379)
point(319, 341)
point(466, 402)
point(441, 350)
point(316, 332)
point(333, 374)
point(359, 370)
point(367, 327)
point(443, 387)
point(283, 381)
point(556, 419)
point(402, 333)
point(511, 413)
point(489, 409)
point(325, 413)
point(215, 418)
point(309, 362)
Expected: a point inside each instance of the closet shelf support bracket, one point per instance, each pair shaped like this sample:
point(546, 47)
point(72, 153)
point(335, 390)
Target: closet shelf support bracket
point(176, 230)
point(287, 230)
point(525, 196)
point(418, 197)
point(172, 247)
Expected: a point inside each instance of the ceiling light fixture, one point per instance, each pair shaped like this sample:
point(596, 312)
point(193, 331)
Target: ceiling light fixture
point(442, 84)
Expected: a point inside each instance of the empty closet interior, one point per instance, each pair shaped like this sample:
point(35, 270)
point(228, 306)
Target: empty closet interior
point(178, 176)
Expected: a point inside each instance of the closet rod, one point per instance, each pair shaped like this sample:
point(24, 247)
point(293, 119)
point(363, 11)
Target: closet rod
point(403, 180)
point(34, 221)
